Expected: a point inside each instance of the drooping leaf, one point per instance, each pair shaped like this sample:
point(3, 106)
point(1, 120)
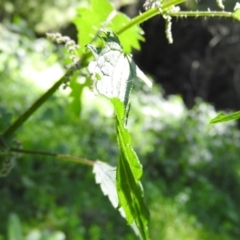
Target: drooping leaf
point(225, 118)
point(124, 139)
point(105, 175)
point(101, 14)
point(129, 171)
point(114, 74)
point(90, 20)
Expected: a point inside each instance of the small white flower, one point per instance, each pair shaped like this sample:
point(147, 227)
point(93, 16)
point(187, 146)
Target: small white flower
point(151, 4)
point(175, 9)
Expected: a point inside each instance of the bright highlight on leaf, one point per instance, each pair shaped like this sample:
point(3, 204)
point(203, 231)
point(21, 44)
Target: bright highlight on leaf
point(225, 118)
point(114, 70)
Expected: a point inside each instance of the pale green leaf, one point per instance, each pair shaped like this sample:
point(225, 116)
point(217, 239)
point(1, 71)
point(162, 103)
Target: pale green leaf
point(105, 176)
point(225, 118)
point(114, 70)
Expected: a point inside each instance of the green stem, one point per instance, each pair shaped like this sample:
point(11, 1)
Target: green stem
point(148, 14)
point(200, 14)
point(24, 117)
point(61, 156)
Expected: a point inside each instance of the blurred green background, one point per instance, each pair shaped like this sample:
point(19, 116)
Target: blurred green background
point(191, 169)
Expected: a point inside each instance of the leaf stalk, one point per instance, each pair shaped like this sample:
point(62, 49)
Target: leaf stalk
point(56, 155)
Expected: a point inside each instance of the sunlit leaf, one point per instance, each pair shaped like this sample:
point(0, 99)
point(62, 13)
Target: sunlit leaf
point(90, 20)
point(105, 176)
point(114, 74)
point(129, 171)
point(124, 140)
point(101, 14)
point(225, 118)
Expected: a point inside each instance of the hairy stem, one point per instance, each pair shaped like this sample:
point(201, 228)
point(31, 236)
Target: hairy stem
point(148, 14)
point(61, 156)
point(200, 14)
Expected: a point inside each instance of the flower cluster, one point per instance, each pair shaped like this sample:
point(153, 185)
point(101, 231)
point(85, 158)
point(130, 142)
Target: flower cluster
point(151, 4)
point(70, 45)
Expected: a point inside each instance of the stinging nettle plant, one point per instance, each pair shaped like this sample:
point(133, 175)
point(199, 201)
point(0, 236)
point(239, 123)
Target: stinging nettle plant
point(106, 39)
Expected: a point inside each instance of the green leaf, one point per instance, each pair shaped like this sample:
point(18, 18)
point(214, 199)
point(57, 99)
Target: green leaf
point(130, 38)
point(225, 118)
point(105, 175)
point(90, 20)
point(129, 171)
point(114, 74)
point(101, 14)
point(124, 139)
point(113, 69)
point(14, 227)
